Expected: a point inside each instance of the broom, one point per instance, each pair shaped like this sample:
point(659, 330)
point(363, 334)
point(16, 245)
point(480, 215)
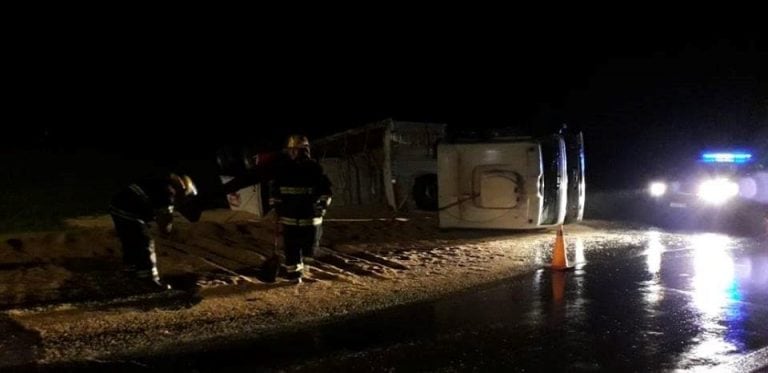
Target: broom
point(271, 266)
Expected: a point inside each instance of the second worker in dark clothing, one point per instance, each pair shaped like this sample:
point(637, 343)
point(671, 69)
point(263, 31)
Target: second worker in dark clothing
point(134, 207)
point(300, 193)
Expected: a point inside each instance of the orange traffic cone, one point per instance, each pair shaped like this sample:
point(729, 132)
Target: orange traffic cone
point(559, 258)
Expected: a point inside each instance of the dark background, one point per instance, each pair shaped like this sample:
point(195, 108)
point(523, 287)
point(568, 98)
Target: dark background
point(84, 105)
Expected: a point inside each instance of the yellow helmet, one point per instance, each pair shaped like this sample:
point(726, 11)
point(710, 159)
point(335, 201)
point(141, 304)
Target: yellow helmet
point(297, 141)
point(186, 184)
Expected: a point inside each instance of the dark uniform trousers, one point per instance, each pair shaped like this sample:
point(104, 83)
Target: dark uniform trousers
point(300, 242)
point(138, 246)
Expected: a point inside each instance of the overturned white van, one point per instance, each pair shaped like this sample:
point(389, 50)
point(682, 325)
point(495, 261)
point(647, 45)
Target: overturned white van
point(510, 182)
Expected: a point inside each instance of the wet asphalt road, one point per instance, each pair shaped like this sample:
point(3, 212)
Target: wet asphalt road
point(666, 302)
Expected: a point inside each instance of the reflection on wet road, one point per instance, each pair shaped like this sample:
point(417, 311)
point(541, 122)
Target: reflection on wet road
point(668, 302)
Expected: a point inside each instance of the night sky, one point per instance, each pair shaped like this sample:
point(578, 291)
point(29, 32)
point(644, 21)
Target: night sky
point(637, 96)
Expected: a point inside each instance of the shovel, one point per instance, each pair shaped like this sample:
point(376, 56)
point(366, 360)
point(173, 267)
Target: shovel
point(271, 267)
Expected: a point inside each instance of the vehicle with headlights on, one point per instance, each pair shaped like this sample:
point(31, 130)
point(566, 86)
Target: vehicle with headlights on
point(722, 189)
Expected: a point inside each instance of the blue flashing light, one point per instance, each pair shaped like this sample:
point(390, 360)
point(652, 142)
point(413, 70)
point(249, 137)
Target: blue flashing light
point(726, 157)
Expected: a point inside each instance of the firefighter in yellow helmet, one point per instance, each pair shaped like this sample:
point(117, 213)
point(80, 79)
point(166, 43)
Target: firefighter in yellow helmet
point(300, 193)
point(133, 208)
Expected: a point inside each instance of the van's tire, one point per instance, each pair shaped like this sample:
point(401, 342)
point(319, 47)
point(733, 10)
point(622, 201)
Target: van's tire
point(574, 150)
point(425, 192)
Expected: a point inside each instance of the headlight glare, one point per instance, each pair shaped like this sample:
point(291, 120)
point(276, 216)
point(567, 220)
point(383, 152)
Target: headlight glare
point(657, 189)
point(717, 191)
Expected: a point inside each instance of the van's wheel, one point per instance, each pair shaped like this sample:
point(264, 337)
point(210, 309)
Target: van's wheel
point(425, 192)
point(574, 150)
